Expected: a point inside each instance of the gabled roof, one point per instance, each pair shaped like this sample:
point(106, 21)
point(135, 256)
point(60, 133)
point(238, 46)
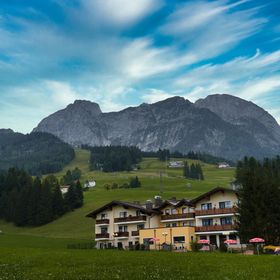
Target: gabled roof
point(125, 205)
point(175, 203)
point(211, 192)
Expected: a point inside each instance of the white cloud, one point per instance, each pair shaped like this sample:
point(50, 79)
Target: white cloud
point(118, 12)
point(154, 95)
point(211, 28)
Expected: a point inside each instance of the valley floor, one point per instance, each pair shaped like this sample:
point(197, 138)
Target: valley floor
point(28, 258)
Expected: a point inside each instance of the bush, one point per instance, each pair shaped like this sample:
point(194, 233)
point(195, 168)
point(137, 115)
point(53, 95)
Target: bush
point(195, 246)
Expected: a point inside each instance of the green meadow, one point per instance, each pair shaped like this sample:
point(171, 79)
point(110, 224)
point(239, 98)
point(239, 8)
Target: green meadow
point(27, 258)
point(42, 252)
point(76, 225)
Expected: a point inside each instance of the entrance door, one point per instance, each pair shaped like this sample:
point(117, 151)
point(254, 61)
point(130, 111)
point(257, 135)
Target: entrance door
point(222, 239)
point(120, 245)
point(213, 240)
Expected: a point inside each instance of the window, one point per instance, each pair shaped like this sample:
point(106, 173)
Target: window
point(206, 206)
point(104, 230)
point(225, 204)
point(167, 211)
point(130, 244)
point(207, 222)
point(185, 224)
point(174, 224)
point(123, 214)
point(184, 210)
point(140, 226)
point(122, 228)
point(138, 213)
point(103, 216)
point(174, 211)
point(179, 239)
point(167, 225)
point(226, 221)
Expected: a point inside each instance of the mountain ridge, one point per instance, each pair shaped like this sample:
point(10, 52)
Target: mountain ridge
point(215, 125)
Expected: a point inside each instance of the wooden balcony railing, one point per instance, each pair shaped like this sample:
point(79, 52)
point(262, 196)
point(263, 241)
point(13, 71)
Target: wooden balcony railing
point(216, 211)
point(215, 228)
point(135, 233)
point(102, 221)
point(178, 216)
point(130, 219)
point(101, 235)
point(121, 234)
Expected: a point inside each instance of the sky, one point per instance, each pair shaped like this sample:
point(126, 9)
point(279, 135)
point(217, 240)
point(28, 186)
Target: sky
point(122, 53)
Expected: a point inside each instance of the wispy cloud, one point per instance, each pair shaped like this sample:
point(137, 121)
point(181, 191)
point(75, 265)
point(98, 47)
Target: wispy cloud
point(123, 52)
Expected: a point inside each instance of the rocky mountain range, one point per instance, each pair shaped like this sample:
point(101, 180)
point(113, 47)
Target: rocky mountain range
point(221, 125)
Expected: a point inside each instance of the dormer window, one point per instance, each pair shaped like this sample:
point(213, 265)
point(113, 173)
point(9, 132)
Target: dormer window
point(173, 211)
point(167, 211)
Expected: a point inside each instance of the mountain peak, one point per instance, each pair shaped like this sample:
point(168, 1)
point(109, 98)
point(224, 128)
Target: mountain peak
point(85, 105)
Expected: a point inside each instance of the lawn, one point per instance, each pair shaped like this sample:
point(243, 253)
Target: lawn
point(76, 225)
point(25, 257)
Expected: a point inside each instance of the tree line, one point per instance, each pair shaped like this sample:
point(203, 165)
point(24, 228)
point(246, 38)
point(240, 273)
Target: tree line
point(133, 183)
point(259, 197)
point(114, 158)
point(194, 171)
point(165, 154)
point(28, 201)
point(38, 153)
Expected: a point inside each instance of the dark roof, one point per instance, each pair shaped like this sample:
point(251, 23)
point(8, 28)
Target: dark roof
point(213, 191)
point(174, 203)
point(124, 204)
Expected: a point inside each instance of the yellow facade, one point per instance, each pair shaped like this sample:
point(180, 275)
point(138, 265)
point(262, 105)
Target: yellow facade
point(178, 237)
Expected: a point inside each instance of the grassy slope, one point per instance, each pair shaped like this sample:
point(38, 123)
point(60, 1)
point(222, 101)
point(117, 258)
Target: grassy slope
point(75, 225)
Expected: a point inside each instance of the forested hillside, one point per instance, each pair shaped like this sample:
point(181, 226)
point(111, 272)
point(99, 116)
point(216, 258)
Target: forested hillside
point(37, 153)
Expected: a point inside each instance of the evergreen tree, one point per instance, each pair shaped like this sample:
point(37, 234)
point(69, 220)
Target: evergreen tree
point(79, 195)
point(45, 214)
point(186, 170)
point(70, 198)
point(58, 207)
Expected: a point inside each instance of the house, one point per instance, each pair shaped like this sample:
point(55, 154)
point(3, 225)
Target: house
point(64, 189)
point(223, 165)
point(90, 184)
point(175, 223)
point(175, 164)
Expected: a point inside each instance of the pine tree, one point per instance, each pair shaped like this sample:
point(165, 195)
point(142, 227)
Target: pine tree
point(186, 170)
point(58, 207)
point(70, 198)
point(79, 195)
point(45, 214)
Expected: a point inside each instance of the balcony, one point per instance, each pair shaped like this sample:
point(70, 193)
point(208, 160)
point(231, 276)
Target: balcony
point(215, 228)
point(130, 219)
point(121, 234)
point(178, 216)
point(216, 211)
point(102, 222)
point(135, 233)
point(102, 236)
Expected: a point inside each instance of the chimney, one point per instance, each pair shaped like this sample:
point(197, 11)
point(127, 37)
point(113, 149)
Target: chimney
point(149, 205)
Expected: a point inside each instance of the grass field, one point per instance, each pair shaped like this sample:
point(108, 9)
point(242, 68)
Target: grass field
point(24, 257)
point(41, 253)
point(76, 225)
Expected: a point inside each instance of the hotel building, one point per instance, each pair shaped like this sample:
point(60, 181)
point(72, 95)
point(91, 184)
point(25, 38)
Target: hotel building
point(174, 223)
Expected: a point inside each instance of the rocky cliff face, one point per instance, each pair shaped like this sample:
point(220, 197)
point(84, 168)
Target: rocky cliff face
point(218, 125)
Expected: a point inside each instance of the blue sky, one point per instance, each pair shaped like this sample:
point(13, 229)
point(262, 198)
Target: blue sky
point(122, 53)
